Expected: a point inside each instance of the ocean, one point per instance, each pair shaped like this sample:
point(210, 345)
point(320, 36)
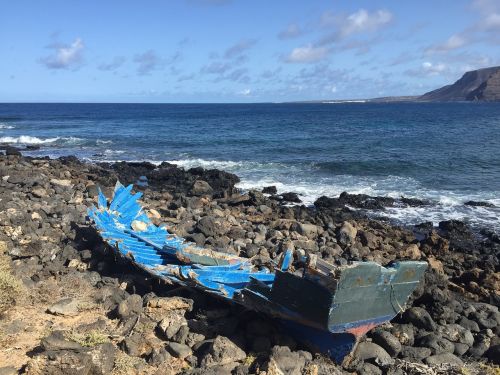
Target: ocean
point(448, 153)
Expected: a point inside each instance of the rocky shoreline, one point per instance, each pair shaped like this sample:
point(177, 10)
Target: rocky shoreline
point(69, 305)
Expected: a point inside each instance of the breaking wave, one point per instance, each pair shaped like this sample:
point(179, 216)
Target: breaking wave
point(30, 140)
point(5, 126)
point(27, 140)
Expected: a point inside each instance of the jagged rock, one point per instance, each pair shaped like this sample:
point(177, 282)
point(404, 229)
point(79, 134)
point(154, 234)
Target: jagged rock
point(222, 351)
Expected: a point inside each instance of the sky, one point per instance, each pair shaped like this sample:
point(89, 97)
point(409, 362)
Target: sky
point(239, 51)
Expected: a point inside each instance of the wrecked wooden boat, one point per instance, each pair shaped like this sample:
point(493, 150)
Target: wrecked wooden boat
point(326, 307)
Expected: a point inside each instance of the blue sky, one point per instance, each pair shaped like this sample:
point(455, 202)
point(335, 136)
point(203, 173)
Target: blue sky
point(239, 51)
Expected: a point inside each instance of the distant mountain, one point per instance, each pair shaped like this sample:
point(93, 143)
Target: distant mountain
point(481, 84)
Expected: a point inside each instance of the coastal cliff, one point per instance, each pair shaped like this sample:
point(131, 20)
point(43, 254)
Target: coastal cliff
point(481, 84)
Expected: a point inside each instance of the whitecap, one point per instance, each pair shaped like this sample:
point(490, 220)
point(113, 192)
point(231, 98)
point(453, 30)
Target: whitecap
point(28, 140)
point(5, 126)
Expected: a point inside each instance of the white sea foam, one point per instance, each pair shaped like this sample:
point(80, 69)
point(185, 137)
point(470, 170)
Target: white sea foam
point(210, 164)
point(27, 140)
point(5, 126)
point(103, 142)
point(113, 152)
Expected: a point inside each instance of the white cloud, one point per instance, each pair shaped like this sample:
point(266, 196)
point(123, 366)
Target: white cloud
point(65, 56)
point(307, 54)
point(453, 42)
point(433, 69)
point(428, 69)
point(492, 22)
point(364, 21)
point(245, 92)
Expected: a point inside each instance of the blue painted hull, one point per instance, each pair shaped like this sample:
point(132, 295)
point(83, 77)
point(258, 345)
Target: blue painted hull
point(325, 307)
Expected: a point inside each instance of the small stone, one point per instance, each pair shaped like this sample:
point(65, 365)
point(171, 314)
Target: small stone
point(270, 190)
point(153, 214)
point(457, 333)
point(285, 361)
point(170, 325)
point(369, 369)
point(8, 370)
point(39, 192)
point(347, 234)
point(369, 350)
point(420, 318)
point(469, 324)
point(222, 351)
point(131, 306)
point(179, 350)
point(62, 183)
point(311, 231)
point(200, 188)
point(436, 343)
point(443, 358)
point(57, 341)
point(36, 216)
point(92, 191)
point(387, 341)
point(65, 307)
point(139, 226)
point(415, 353)
point(412, 252)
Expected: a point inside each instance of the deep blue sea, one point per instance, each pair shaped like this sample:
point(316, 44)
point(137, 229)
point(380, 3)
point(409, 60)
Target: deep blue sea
point(446, 152)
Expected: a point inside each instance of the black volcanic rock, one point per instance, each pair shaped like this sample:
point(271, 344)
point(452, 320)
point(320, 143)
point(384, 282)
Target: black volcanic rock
point(481, 84)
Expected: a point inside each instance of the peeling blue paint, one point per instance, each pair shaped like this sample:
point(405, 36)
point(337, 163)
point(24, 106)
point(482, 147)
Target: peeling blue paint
point(327, 307)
